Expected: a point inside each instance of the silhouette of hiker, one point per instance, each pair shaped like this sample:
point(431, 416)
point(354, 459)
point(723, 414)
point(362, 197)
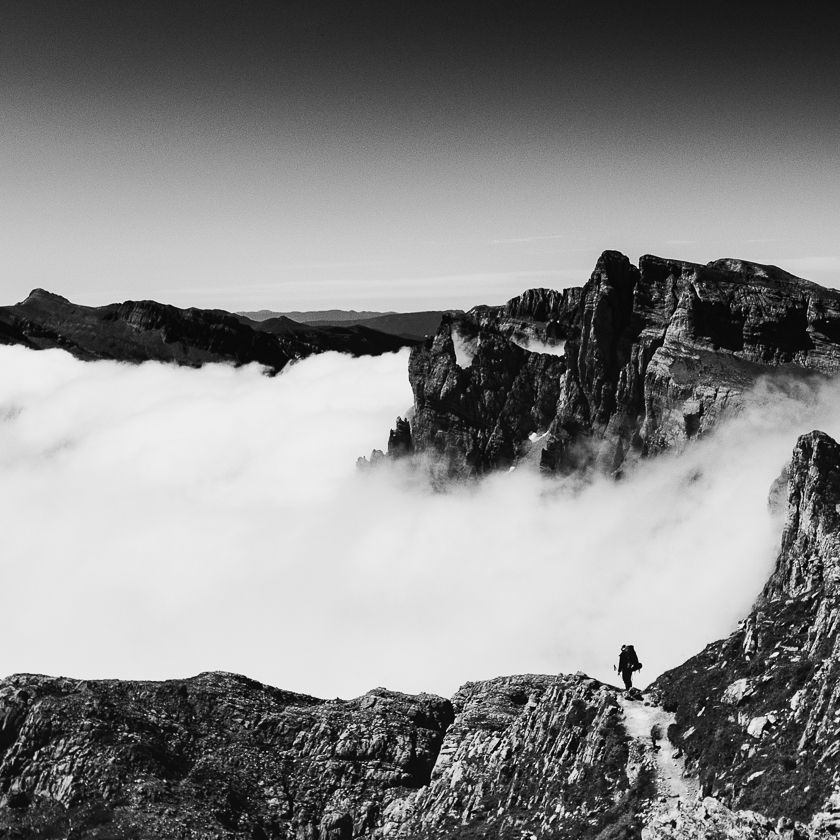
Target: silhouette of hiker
point(627, 663)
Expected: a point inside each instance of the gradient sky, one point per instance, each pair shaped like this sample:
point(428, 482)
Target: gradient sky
point(395, 155)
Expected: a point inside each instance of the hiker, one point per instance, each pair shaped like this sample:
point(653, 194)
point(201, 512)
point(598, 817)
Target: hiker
point(627, 663)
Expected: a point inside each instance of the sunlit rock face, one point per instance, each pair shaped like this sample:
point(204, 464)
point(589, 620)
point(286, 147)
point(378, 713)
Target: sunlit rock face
point(526, 755)
point(758, 714)
point(653, 356)
point(137, 331)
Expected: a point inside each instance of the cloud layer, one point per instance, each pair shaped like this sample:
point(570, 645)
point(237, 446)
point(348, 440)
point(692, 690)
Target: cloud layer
point(160, 521)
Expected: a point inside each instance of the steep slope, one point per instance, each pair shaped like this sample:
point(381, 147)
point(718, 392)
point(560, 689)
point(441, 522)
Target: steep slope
point(654, 355)
point(758, 714)
point(137, 331)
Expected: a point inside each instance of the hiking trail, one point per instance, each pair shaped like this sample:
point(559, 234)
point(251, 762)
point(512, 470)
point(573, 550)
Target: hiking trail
point(647, 724)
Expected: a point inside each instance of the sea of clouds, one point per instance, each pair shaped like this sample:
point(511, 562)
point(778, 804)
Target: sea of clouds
point(160, 521)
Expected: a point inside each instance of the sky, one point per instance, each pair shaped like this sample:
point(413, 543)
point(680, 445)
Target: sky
point(406, 155)
point(161, 521)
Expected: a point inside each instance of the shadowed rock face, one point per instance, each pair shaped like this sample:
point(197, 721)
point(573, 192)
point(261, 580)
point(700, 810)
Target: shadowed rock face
point(654, 356)
point(758, 714)
point(138, 331)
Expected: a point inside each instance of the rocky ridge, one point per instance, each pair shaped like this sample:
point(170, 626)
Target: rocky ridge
point(138, 331)
point(653, 356)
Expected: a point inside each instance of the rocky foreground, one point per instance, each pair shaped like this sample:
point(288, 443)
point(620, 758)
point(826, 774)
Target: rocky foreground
point(637, 361)
point(741, 741)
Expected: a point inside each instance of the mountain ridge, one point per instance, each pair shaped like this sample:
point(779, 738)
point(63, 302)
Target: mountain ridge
point(138, 331)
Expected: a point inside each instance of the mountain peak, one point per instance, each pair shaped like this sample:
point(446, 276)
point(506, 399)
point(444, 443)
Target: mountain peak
point(42, 294)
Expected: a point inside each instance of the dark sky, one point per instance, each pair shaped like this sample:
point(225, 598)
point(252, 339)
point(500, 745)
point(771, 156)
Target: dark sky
point(403, 155)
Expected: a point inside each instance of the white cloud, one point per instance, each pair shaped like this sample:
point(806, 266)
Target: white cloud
point(159, 521)
point(535, 346)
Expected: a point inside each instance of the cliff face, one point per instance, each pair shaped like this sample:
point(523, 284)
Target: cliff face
point(138, 331)
point(652, 356)
point(758, 714)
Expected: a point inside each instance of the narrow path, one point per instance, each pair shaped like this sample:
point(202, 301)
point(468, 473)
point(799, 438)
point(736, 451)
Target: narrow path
point(640, 719)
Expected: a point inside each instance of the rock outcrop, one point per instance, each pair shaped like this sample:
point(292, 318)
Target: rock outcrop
point(137, 331)
point(526, 756)
point(653, 356)
point(758, 714)
point(210, 757)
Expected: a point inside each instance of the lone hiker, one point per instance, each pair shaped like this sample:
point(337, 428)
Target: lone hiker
point(627, 663)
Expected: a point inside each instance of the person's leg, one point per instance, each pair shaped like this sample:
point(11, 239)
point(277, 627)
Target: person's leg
point(628, 678)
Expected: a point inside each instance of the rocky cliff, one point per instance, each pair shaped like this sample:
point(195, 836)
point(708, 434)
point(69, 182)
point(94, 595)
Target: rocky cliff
point(758, 713)
point(652, 356)
point(137, 331)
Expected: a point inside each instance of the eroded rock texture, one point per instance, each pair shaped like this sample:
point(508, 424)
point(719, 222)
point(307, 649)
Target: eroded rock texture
point(220, 756)
point(137, 331)
point(758, 714)
point(526, 756)
point(653, 356)
point(210, 757)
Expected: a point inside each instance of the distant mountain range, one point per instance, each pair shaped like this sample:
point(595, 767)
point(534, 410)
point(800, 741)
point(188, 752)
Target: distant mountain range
point(414, 325)
point(332, 315)
point(137, 331)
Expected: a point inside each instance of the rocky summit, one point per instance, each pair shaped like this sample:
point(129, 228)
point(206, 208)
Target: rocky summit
point(741, 741)
point(640, 359)
point(138, 331)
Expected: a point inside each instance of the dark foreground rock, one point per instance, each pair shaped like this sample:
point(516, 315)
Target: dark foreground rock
point(137, 331)
point(221, 756)
point(653, 356)
point(210, 757)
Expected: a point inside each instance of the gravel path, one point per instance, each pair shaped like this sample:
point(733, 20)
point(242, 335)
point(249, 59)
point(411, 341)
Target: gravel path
point(640, 719)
